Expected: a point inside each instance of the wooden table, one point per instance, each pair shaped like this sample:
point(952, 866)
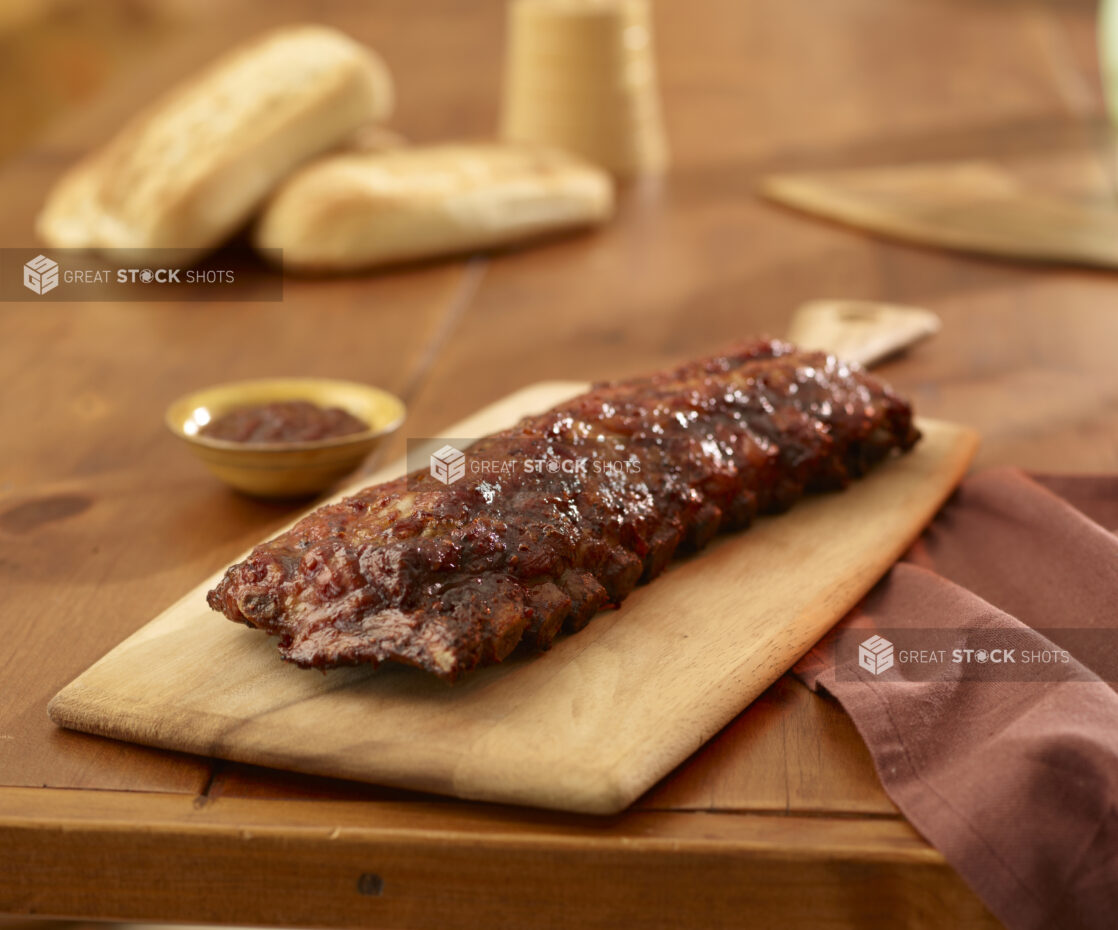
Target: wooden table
point(780, 821)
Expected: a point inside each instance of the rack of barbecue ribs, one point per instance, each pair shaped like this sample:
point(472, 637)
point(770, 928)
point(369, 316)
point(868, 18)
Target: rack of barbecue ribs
point(575, 507)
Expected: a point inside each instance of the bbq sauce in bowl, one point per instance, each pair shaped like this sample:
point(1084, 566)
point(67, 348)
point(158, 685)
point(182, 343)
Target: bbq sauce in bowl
point(283, 421)
point(284, 437)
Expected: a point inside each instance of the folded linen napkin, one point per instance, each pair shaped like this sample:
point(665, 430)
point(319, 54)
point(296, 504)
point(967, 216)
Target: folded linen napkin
point(1009, 769)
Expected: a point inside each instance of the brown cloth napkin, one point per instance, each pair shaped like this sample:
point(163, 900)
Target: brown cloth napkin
point(1010, 771)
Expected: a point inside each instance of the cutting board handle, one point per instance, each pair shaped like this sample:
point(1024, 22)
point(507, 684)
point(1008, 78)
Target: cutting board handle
point(863, 331)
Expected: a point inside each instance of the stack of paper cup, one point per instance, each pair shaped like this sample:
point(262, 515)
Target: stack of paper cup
point(580, 75)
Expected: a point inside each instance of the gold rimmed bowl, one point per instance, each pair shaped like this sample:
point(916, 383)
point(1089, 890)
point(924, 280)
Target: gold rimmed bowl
point(285, 469)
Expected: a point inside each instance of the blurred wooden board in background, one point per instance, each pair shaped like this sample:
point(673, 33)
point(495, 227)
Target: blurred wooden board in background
point(971, 206)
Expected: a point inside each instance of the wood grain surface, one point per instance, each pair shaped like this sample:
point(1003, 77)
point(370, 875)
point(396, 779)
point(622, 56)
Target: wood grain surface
point(103, 517)
point(587, 726)
point(432, 866)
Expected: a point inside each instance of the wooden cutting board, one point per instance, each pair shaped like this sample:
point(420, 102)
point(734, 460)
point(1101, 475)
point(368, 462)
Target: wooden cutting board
point(588, 726)
point(972, 206)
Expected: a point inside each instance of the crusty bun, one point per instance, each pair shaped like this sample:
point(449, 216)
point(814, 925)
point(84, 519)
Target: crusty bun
point(196, 165)
point(360, 210)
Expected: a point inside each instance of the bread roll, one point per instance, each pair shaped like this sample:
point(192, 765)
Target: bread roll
point(197, 164)
point(360, 210)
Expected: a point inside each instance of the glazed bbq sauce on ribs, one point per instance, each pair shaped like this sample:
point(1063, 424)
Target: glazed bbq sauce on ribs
point(451, 577)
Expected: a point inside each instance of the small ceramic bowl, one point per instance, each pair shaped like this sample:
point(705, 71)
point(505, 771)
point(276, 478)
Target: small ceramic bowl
point(285, 469)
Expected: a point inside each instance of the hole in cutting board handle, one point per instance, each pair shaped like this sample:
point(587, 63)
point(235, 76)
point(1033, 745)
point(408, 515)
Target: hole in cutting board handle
point(852, 314)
